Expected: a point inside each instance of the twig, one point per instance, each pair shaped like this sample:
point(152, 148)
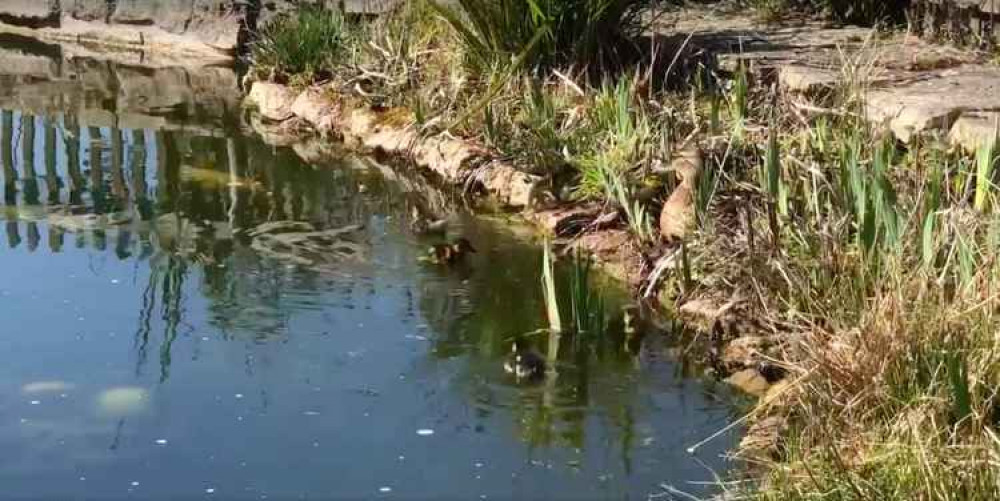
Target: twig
point(823, 111)
point(663, 264)
point(755, 411)
point(677, 55)
point(570, 83)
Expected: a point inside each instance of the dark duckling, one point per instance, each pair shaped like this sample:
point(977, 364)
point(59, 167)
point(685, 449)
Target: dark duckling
point(524, 362)
point(450, 253)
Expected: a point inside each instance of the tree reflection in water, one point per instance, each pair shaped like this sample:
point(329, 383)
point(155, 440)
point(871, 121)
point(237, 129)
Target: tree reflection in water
point(183, 205)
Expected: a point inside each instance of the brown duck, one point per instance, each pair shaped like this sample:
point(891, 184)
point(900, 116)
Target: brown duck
point(449, 253)
point(677, 217)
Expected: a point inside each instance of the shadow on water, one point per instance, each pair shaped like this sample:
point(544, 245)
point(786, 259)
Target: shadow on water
point(120, 172)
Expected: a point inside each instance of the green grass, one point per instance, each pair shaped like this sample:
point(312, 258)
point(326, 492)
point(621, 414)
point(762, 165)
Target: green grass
point(549, 33)
point(309, 42)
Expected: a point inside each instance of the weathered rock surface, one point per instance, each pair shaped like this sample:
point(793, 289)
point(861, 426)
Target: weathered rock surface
point(314, 107)
point(455, 161)
point(763, 439)
point(975, 128)
point(936, 101)
point(185, 32)
point(188, 32)
point(274, 102)
point(41, 79)
point(749, 381)
point(911, 85)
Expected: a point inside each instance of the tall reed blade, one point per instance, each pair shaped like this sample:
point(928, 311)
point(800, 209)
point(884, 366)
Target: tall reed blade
point(549, 289)
point(960, 395)
point(985, 164)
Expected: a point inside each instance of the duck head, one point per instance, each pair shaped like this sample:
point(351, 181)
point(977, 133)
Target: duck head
point(462, 246)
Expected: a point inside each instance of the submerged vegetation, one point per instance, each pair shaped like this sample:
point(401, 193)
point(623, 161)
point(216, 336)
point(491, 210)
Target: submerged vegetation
point(871, 264)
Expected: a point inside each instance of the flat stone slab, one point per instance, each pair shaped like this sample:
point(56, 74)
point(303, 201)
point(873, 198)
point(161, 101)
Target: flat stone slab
point(936, 101)
point(975, 128)
point(914, 86)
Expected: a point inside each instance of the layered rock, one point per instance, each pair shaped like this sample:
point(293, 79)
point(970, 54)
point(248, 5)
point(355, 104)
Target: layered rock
point(188, 32)
point(455, 161)
point(41, 79)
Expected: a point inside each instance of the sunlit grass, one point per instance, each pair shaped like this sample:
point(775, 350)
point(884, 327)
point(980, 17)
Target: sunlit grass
point(305, 43)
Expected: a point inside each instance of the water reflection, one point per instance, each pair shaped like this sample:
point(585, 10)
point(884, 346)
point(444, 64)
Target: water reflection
point(145, 238)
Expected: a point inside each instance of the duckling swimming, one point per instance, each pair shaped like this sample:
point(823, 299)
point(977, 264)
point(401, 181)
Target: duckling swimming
point(449, 253)
point(524, 362)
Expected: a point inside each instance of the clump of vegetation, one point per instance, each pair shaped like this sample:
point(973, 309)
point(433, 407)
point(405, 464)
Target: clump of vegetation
point(308, 43)
point(881, 264)
point(586, 306)
point(545, 34)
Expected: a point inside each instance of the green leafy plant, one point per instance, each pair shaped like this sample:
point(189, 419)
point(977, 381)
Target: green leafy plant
point(549, 32)
point(549, 289)
point(986, 161)
point(306, 42)
point(586, 304)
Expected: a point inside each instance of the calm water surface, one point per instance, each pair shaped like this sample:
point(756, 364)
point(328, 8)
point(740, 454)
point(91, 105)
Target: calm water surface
point(153, 348)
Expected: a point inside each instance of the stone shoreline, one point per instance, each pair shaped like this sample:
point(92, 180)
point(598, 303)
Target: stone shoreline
point(316, 122)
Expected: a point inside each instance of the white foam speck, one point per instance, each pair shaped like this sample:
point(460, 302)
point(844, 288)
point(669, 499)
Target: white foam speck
point(385, 489)
point(161, 441)
point(239, 395)
point(425, 432)
point(210, 491)
point(83, 479)
point(35, 402)
point(135, 484)
point(114, 280)
point(311, 413)
point(46, 387)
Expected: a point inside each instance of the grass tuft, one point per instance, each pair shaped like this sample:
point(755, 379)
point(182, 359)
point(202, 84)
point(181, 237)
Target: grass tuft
point(547, 33)
point(308, 42)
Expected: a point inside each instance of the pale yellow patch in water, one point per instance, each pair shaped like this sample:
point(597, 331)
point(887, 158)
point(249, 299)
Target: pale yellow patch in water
point(123, 400)
point(212, 177)
point(47, 387)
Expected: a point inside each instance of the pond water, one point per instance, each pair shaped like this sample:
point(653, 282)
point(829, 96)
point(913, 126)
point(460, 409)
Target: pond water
point(155, 346)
